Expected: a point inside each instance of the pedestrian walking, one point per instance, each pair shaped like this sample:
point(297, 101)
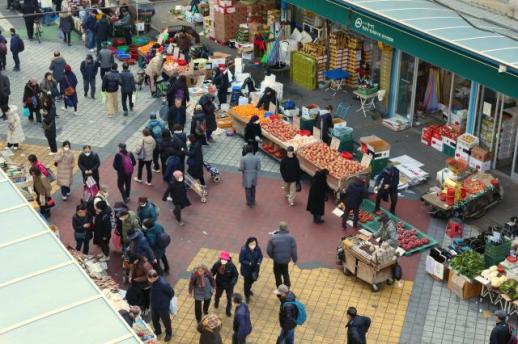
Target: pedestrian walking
point(103, 229)
point(89, 163)
point(199, 124)
point(180, 90)
point(49, 86)
point(226, 276)
point(176, 115)
point(201, 288)
point(250, 259)
point(210, 328)
point(89, 26)
point(165, 150)
point(48, 110)
point(89, 69)
point(33, 160)
point(358, 326)
point(64, 161)
point(154, 233)
point(144, 152)
point(29, 8)
point(290, 172)
point(209, 109)
point(153, 71)
point(179, 145)
point(253, 133)
point(288, 313)
point(222, 82)
point(250, 166)
point(124, 163)
point(31, 99)
point(317, 196)
point(160, 297)
point(156, 128)
point(147, 210)
point(242, 325)
point(5, 92)
point(57, 67)
point(69, 85)
point(387, 184)
point(355, 193)
point(3, 52)
point(66, 22)
point(178, 192)
point(282, 248)
point(103, 30)
point(82, 223)
point(110, 86)
point(195, 159)
point(127, 83)
point(42, 189)
point(325, 124)
point(105, 59)
point(17, 46)
point(15, 134)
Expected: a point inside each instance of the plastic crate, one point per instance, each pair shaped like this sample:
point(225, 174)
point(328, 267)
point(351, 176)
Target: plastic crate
point(496, 253)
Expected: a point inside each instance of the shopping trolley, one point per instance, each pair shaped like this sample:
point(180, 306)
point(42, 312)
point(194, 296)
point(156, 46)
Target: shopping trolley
point(214, 172)
point(194, 185)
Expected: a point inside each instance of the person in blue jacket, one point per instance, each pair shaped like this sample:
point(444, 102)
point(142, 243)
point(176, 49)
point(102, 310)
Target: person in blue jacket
point(156, 127)
point(250, 259)
point(16, 47)
point(152, 231)
point(387, 182)
point(139, 245)
point(242, 325)
point(354, 195)
point(160, 298)
point(146, 210)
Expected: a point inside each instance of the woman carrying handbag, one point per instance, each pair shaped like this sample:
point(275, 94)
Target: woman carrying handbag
point(145, 156)
point(42, 189)
point(69, 84)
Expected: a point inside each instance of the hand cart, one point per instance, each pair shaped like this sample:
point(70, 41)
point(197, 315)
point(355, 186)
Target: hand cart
point(214, 172)
point(194, 185)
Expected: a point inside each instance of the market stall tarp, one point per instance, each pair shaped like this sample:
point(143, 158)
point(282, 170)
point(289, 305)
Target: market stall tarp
point(45, 294)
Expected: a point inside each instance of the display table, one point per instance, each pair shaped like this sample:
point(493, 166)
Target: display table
point(338, 77)
point(366, 101)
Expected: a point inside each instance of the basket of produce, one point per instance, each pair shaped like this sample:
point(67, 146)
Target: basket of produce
point(457, 166)
point(469, 264)
point(510, 288)
point(246, 111)
point(279, 129)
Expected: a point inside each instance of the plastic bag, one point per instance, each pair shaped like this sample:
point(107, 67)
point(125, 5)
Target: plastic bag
point(116, 242)
point(103, 97)
point(173, 306)
point(61, 34)
point(134, 98)
point(26, 112)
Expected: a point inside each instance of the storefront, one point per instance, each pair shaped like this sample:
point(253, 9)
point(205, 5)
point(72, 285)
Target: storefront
point(443, 69)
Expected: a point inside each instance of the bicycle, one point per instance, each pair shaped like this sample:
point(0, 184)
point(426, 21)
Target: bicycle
point(38, 31)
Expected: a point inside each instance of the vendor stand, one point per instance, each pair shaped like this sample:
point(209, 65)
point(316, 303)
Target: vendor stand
point(18, 173)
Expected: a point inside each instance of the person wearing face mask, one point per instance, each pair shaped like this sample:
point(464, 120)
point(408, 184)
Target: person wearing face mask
point(64, 161)
point(124, 163)
point(176, 114)
point(253, 133)
point(82, 223)
point(290, 172)
point(49, 86)
point(177, 191)
point(153, 232)
point(89, 163)
point(250, 165)
point(102, 195)
point(287, 314)
point(147, 210)
point(160, 297)
point(128, 223)
point(250, 259)
point(201, 288)
point(103, 229)
point(48, 110)
point(226, 276)
point(89, 71)
point(31, 99)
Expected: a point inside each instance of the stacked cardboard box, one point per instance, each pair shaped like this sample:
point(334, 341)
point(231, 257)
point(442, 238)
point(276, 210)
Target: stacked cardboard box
point(354, 46)
point(507, 137)
point(228, 17)
point(480, 159)
point(338, 50)
point(387, 54)
point(318, 52)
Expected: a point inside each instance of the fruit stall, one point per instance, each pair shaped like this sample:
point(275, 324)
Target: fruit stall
point(241, 115)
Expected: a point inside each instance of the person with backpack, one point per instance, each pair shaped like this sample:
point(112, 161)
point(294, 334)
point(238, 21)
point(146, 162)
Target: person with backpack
point(144, 152)
point(3, 52)
point(201, 288)
point(127, 84)
point(147, 210)
point(242, 325)
point(291, 314)
point(124, 163)
point(178, 192)
point(110, 86)
point(16, 46)
point(156, 128)
point(158, 239)
point(225, 274)
point(358, 326)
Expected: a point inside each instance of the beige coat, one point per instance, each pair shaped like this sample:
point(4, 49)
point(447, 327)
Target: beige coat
point(41, 187)
point(154, 67)
point(15, 133)
point(65, 172)
point(148, 144)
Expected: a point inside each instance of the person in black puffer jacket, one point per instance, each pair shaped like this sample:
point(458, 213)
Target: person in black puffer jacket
point(501, 333)
point(89, 164)
point(290, 172)
point(82, 223)
point(89, 69)
point(111, 87)
point(287, 314)
point(357, 327)
point(226, 276)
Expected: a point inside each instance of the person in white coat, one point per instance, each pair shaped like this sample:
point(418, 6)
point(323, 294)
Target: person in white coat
point(15, 134)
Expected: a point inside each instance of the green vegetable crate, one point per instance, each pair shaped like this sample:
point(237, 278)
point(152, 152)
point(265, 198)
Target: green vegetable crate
point(494, 254)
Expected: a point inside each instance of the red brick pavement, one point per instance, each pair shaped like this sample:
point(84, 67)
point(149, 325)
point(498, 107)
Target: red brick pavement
point(228, 222)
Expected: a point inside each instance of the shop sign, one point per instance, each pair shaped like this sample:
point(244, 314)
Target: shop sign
point(372, 29)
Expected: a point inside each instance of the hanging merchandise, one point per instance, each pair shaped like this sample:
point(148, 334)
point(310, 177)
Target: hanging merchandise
point(431, 100)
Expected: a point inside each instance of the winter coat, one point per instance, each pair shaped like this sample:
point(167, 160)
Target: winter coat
point(89, 70)
point(91, 162)
point(102, 227)
point(14, 125)
point(124, 22)
point(41, 187)
point(70, 80)
point(251, 131)
point(317, 194)
point(389, 176)
point(174, 92)
point(176, 116)
point(65, 172)
point(105, 58)
point(160, 295)
point(151, 235)
point(49, 86)
point(282, 247)
point(357, 328)
point(201, 289)
point(147, 144)
point(198, 118)
point(266, 100)
point(148, 211)
point(209, 334)
point(15, 44)
point(5, 85)
point(324, 123)
point(110, 81)
point(66, 22)
point(154, 67)
point(139, 246)
point(160, 126)
point(90, 23)
point(179, 194)
point(29, 92)
point(49, 122)
point(127, 82)
point(79, 222)
point(130, 223)
point(117, 162)
point(250, 165)
point(195, 160)
point(166, 148)
point(250, 261)
point(355, 193)
point(500, 334)
point(226, 275)
point(210, 116)
point(288, 313)
point(102, 30)
point(173, 163)
point(41, 167)
point(290, 169)
point(57, 67)
point(242, 324)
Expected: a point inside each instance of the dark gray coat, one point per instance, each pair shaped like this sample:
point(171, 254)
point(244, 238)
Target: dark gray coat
point(127, 82)
point(105, 58)
point(57, 67)
point(282, 247)
point(250, 165)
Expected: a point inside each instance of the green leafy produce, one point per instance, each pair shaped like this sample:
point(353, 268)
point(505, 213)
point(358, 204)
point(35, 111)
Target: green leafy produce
point(508, 286)
point(469, 264)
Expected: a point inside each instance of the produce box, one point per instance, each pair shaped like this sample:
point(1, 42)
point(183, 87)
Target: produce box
point(462, 286)
point(367, 91)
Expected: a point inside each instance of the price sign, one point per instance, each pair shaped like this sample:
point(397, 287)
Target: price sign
point(296, 122)
point(335, 143)
point(316, 133)
point(366, 160)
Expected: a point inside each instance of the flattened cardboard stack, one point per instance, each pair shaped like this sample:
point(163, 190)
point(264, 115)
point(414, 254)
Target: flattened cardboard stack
point(338, 50)
point(318, 52)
